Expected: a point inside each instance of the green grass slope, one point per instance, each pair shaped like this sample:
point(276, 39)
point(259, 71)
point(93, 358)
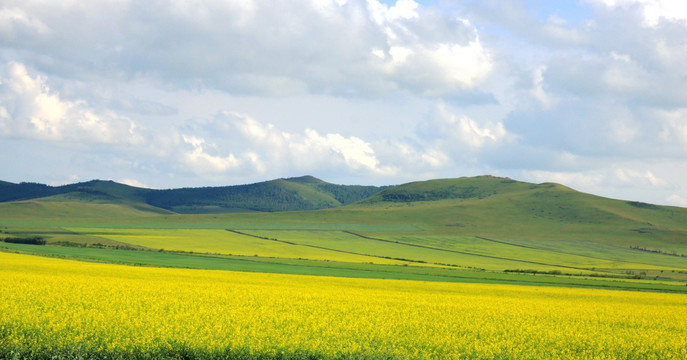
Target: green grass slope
point(302, 193)
point(536, 222)
point(448, 189)
point(274, 195)
point(343, 194)
point(490, 206)
point(473, 224)
point(73, 207)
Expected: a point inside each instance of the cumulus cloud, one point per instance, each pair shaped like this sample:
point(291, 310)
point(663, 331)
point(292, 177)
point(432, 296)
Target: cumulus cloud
point(674, 126)
point(202, 162)
point(30, 108)
point(131, 182)
point(263, 148)
point(538, 91)
point(629, 179)
point(653, 11)
point(15, 23)
point(460, 132)
point(231, 144)
point(455, 61)
point(358, 89)
point(352, 48)
point(411, 160)
point(676, 200)
point(617, 93)
point(577, 180)
point(633, 176)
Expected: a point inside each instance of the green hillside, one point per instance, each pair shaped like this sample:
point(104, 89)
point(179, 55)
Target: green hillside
point(479, 225)
point(303, 193)
point(448, 189)
point(10, 191)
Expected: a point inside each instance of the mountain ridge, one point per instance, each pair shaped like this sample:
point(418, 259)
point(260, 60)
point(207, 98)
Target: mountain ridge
point(285, 194)
point(297, 193)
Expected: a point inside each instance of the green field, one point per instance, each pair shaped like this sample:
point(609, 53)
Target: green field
point(468, 229)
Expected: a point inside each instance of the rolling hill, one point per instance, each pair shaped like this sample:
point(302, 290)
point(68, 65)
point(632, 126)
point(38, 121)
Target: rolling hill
point(500, 207)
point(436, 227)
point(300, 193)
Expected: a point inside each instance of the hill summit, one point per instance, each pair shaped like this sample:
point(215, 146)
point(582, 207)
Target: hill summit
point(478, 187)
point(298, 193)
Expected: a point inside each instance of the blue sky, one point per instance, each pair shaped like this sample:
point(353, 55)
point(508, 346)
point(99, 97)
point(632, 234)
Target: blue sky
point(591, 94)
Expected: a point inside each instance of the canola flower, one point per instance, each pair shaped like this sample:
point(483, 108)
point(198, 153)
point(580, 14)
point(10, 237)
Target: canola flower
point(67, 309)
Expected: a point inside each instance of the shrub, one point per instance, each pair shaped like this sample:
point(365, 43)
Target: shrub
point(35, 240)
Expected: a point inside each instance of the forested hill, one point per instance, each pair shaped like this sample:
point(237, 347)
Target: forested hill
point(300, 193)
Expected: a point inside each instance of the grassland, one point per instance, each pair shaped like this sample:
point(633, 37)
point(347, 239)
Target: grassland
point(339, 269)
point(479, 224)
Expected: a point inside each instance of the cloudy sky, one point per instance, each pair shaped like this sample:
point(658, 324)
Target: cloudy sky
point(591, 93)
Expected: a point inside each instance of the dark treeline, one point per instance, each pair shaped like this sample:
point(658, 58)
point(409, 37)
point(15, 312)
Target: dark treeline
point(34, 240)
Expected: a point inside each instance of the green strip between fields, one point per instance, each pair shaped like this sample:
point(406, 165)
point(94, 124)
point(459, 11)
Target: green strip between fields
point(322, 268)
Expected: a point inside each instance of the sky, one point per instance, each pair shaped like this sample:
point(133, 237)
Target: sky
point(591, 94)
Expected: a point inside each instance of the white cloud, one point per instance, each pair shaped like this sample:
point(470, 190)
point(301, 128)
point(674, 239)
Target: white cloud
point(413, 161)
point(578, 180)
point(628, 180)
point(15, 21)
point(249, 145)
point(258, 133)
point(621, 57)
point(461, 131)
point(430, 68)
point(653, 10)
point(676, 200)
point(202, 162)
point(248, 47)
point(133, 182)
point(30, 108)
point(674, 127)
point(356, 153)
point(623, 129)
point(476, 136)
point(464, 64)
point(348, 89)
point(538, 91)
point(434, 158)
point(403, 9)
point(629, 176)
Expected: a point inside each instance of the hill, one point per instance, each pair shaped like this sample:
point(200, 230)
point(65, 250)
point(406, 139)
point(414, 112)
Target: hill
point(479, 187)
point(301, 193)
point(24, 191)
point(483, 226)
point(492, 206)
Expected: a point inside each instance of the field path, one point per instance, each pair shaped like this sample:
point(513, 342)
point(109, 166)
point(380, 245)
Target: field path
point(465, 252)
point(322, 247)
point(403, 244)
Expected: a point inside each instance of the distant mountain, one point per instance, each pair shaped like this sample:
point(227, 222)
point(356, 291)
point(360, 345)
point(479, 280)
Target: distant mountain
point(300, 193)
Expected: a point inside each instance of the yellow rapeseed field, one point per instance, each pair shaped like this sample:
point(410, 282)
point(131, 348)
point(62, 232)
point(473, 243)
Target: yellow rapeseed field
point(69, 309)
